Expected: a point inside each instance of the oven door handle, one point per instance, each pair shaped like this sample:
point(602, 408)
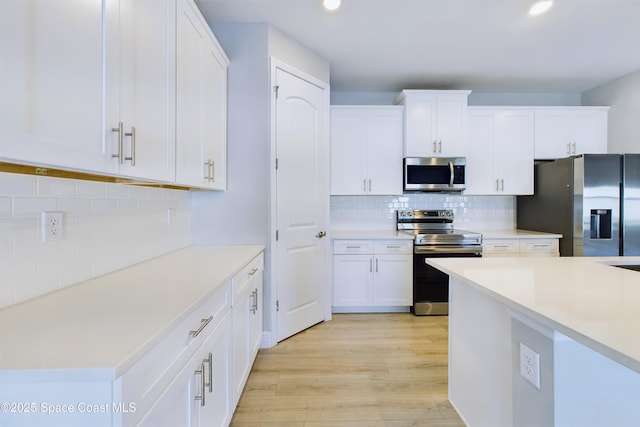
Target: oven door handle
point(447, 250)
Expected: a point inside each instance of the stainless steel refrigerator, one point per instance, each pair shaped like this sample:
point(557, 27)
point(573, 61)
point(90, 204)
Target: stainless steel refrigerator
point(593, 200)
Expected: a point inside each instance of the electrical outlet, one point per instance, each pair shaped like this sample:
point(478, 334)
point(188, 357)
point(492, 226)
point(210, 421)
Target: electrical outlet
point(530, 365)
point(52, 226)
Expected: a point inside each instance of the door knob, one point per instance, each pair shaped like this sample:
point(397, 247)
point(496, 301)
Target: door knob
point(321, 234)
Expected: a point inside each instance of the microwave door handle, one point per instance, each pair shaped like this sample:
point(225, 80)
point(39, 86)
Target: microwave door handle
point(451, 174)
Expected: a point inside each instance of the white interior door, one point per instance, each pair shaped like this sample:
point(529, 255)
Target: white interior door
point(302, 197)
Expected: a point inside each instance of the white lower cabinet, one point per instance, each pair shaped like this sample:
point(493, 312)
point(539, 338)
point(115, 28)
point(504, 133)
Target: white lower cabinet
point(192, 376)
point(372, 273)
point(200, 395)
point(247, 322)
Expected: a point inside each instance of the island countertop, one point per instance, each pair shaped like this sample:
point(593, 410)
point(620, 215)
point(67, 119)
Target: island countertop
point(584, 298)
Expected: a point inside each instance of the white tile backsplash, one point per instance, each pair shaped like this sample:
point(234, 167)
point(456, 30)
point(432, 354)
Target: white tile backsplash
point(107, 227)
point(378, 212)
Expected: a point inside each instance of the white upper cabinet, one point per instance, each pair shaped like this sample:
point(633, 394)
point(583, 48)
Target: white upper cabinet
point(51, 82)
point(366, 150)
point(563, 132)
point(434, 122)
point(201, 126)
point(140, 87)
point(500, 151)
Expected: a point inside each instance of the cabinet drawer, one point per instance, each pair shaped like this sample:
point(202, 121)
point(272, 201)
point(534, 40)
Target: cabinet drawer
point(145, 380)
point(393, 247)
point(256, 266)
point(499, 246)
point(352, 247)
point(539, 245)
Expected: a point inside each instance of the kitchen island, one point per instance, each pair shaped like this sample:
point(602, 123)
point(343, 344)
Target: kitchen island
point(579, 318)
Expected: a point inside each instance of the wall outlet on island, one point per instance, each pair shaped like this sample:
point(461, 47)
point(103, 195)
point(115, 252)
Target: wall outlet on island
point(52, 226)
point(530, 365)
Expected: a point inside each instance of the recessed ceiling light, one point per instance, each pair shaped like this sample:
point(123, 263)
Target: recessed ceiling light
point(331, 4)
point(540, 7)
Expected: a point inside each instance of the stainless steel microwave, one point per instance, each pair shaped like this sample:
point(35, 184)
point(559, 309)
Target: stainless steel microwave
point(442, 174)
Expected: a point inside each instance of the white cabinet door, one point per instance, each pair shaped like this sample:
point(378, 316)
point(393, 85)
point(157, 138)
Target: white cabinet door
point(434, 123)
point(352, 280)
point(384, 151)
point(382, 277)
point(51, 106)
point(513, 152)
point(366, 150)
point(215, 356)
point(247, 323)
point(140, 88)
point(569, 131)
point(500, 152)
point(348, 174)
point(201, 92)
point(177, 406)
point(392, 280)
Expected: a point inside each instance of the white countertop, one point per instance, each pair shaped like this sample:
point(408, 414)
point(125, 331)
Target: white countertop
point(593, 303)
point(370, 234)
point(107, 323)
point(394, 234)
point(517, 234)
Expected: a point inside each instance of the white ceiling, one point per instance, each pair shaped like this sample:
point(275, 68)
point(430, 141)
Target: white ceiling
point(483, 45)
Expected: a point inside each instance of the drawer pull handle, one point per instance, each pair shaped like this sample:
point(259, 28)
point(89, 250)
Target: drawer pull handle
point(353, 246)
point(541, 246)
point(393, 246)
point(501, 246)
point(253, 271)
point(204, 324)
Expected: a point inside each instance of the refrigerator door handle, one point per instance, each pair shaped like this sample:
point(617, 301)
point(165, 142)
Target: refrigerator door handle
point(595, 226)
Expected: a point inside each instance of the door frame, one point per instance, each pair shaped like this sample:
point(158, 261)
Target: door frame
point(270, 337)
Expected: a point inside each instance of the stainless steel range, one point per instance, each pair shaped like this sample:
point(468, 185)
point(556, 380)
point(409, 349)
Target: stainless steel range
point(434, 237)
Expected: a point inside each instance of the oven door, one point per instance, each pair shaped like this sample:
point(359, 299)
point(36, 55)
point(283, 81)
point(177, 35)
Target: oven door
point(430, 285)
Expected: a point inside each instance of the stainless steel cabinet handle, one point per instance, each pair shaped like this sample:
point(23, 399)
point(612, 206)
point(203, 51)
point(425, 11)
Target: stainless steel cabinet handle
point(434, 146)
point(369, 185)
point(497, 185)
point(132, 134)
point(370, 265)
point(204, 324)
point(254, 305)
point(212, 174)
point(440, 146)
point(393, 246)
point(502, 184)
point(353, 246)
point(364, 184)
point(120, 154)
point(321, 234)
point(209, 361)
point(574, 148)
point(201, 397)
point(376, 265)
point(253, 271)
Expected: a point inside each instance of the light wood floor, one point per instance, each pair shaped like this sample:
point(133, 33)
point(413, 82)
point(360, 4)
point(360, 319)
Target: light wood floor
point(356, 370)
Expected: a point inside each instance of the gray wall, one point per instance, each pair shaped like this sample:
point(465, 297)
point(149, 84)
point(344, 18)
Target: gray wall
point(623, 95)
point(475, 98)
point(241, 214)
